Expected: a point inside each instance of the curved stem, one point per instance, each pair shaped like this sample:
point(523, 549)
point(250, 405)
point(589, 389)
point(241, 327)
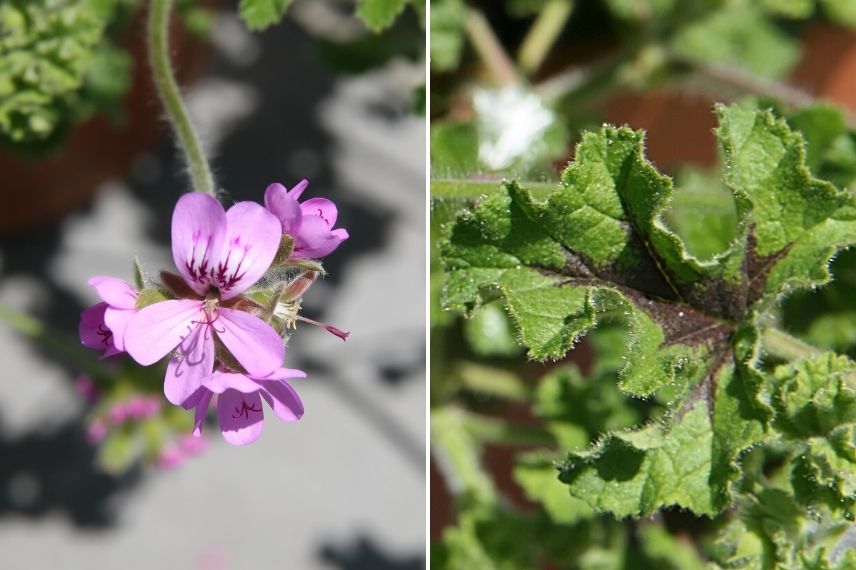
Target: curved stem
point(543, 34)
point(167, 87)
point(489, 48)
point(67, 348)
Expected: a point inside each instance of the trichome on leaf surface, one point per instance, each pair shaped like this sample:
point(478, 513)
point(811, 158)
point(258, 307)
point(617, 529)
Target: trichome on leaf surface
point(721, 414)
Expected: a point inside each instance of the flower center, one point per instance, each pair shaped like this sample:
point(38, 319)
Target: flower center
point(212, 301)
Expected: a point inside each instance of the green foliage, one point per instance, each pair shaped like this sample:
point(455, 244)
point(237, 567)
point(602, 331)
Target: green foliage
point(379, 14)
point(260, 14)
point(447, 35)
point(840, 11)
point(490, 332)
point(48, 50)
point(738, 35)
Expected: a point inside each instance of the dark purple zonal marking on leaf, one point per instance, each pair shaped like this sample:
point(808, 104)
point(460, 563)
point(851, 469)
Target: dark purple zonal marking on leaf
point(681, 323)
point(718, 297)
point(758, 268)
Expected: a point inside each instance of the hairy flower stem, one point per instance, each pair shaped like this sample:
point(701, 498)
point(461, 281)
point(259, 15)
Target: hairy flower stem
point(782, 345)
point(167, 87)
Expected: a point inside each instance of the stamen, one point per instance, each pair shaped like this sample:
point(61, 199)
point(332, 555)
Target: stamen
point(329, 328)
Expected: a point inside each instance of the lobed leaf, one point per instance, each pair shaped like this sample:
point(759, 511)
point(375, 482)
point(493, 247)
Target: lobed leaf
point(598, 250)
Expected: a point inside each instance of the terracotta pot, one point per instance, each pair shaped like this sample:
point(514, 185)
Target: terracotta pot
point(41, 190)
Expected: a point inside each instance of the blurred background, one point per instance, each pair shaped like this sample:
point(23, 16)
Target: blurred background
point(90, 181)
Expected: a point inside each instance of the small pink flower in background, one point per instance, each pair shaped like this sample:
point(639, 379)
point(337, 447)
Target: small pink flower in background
point(310, 223)
point(239, 402)
point(219, 255)
point(170, 457)
point(87, 388)
point(192, 445)
point(137, 407)
point(96, 432)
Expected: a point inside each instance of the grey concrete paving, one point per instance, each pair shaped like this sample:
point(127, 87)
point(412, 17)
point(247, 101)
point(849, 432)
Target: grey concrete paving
point(342, 488)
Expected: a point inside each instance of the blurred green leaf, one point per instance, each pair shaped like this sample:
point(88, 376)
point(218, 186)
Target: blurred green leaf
point(840, 11)
point(702, 213)
point(118, 451)
point(738, 35)
point(641, 10)
point(260, 14)
point(492, 381)
point(667, 552)
point(491, 333)
point(796, 9)
point(579, 409)
point(447, 34)
point(538, 476)
point(454, 149)
point(378, 15)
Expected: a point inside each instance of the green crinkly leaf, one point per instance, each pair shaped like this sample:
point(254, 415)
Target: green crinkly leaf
point(600, 250)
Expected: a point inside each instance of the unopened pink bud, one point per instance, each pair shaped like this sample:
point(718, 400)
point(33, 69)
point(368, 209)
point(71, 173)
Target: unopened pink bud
point(298, 287)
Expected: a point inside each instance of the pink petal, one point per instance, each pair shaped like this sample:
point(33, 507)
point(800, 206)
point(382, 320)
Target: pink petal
point(198, 234)
point(157, 329)
point(192, 361)
point(252, 240)
point(117, 321)
point(219, 382)
point(298, 189)
point(315, 238)
point(92, 330)
point(240, 416)
point(252, 341)
point(284, 207)
point(321, 208)
point(115, 292)
point(111, 351)
point(282, 399)
point(283, 373)
point(202, 403)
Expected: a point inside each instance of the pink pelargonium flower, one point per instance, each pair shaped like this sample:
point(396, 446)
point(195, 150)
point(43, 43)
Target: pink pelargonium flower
point(239, 402)
point(219, 255)
point(310, 223)
point(102, 326)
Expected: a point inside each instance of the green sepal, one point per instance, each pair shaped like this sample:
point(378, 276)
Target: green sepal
point(286, 247)
point(150, 296)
